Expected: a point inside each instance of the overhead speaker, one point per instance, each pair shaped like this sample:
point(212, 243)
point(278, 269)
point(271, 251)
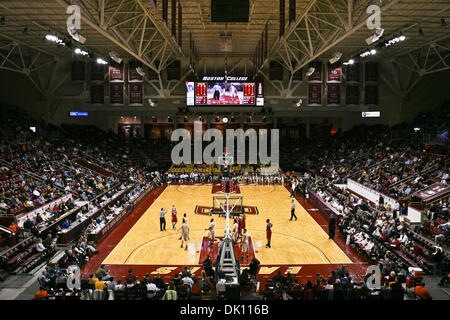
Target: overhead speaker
point(336, 57)
point(76, 35)
point(140, 71)
point(375, 36)
point(115, 56)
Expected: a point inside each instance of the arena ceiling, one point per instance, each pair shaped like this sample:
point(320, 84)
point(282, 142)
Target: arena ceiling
point(134, 29)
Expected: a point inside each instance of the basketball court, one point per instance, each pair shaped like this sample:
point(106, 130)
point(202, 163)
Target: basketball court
point(293, 242)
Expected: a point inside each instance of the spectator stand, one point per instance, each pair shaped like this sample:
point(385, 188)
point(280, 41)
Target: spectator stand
point(78, 227)
point(130, 205)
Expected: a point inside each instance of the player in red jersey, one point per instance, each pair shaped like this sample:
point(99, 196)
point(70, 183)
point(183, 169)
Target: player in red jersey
point(239, 222)
point(243, 226)
point(174, 217)
point(268, 232)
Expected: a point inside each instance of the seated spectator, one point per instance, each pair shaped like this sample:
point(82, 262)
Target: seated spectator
point(130, 279)
point(421, 292)
point(39, 246)
point(65, 225)
point(41, 294)
point(159, 282)
point(101, 272)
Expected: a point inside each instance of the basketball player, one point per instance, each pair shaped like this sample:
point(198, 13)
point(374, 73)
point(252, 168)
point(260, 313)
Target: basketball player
point(234, 235)
point(245, 244)
point(268, 232)
point(211, 232)
point(243, 221)
point(293, 211)
point(217, 89)
point(174, 217)
point(234, 93)
point(185, 219)
point(293, 186)
point(239, 222)
point(184, 228)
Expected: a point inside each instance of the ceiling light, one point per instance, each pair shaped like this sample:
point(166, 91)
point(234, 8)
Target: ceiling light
point(351, 61)
point(81, 52)
point(55, 39)
point(310, 71)
point(225, 119)
point(101, 61)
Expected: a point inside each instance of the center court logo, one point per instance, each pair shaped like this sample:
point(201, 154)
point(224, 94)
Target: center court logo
point(257, 146)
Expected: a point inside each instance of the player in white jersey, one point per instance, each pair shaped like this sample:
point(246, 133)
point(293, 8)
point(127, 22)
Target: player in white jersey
point(234, 93)
point(211, 234)
point(184, 234)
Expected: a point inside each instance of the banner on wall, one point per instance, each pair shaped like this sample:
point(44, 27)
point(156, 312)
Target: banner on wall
point(334, 94)
point(371, 94)
point(78, 70)
point(436, 190)
point(353, 72)
point(98, 94)
point(371, 72)
point(116, 72)
point(116, 93)
point(136, 93)
point(315, 94)
point(133, 76)
point(334, 73)
point(352, 95)
point(97, 72)
point(317, 74)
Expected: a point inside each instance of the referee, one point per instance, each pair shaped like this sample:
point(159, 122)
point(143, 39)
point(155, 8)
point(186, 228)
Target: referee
point(293, 211)
point(162, 220)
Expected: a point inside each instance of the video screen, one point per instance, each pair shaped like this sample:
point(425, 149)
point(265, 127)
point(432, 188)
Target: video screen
point(225, 93)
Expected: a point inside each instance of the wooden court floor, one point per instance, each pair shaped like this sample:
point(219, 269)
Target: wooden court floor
point(293, 242)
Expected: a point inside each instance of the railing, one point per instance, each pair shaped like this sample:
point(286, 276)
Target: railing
point(94, 167)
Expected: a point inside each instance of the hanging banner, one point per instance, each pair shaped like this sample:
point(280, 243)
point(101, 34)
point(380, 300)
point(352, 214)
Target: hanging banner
point(78, 70)
point(371, 72)
point(315, 94)
point(353, 72)
point(371, 94)
point(334, 73)
point(136, 94)
point(98, 94)
point(352, 95)
point(116, 72)
point(317, 74)
point(133, 76)
point(97, 71)
point(334, 94)
point(116, 93)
